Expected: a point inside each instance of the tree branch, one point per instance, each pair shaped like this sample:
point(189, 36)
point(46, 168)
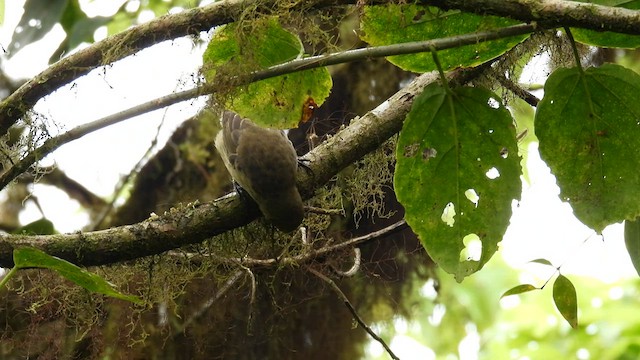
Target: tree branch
point(552, 13)
point(55, 177)
point(53, 143)
point(204, 307)
point(113, 48)
point(304, 257)
point(198, 222)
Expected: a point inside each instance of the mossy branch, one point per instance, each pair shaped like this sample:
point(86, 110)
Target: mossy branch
point(197, 222)
point(552, 13)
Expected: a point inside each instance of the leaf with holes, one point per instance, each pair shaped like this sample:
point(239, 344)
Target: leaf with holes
point(566, 300)
point(587, 124)
point(457, 172)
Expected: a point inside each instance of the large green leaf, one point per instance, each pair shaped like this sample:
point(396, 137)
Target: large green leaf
point(609, 38)
point(587, 125)
point(277, 102)
point(392, 24)
point(34, 258)
point(457, 173)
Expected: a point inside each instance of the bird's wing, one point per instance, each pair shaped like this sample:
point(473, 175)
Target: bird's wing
point(232, 125)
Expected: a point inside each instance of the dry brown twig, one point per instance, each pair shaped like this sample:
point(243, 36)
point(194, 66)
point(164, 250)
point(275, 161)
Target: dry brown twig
point(353, 311)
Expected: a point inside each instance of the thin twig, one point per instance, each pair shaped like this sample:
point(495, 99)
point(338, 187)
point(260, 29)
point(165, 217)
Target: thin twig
point(106, 210)
point(252, 295)
point(293, 66)
point(353, 311)
point(207, 304)
point(302, 258)
point(357, 260)
point(523, 94)
point(321, 211)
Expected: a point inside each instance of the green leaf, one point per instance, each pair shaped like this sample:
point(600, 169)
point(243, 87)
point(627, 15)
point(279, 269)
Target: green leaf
point(38, 18)
point(519, 290)
point(392, 24)
point(542, 261)
point(586, 125)
point(608, 38)
point(83, 29)
point(566, 300)
point(276, 102)
point(34, 258)
point(39, 227)
point(457, 173)
point(121, 21)
point(632, 241)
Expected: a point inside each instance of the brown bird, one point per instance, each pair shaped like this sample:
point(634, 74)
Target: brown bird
point(264, 163)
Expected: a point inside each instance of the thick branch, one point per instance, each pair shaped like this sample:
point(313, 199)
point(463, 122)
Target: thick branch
point(553, 13)
point(196, 223)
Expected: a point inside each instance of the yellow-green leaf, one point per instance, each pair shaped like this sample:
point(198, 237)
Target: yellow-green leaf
point(2, 11)
point(522, 288)
point(566, 300)
point(277, 102)
point(39, 227)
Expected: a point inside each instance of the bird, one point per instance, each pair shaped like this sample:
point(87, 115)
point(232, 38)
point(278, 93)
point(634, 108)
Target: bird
point(264, 163)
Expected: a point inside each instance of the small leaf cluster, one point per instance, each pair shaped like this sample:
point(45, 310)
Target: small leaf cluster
point(564, 294)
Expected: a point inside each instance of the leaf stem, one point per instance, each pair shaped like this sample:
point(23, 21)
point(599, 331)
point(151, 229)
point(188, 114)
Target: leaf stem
point(574, 48)
point(353, 311)
point(443, 78)
point(8, 276)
